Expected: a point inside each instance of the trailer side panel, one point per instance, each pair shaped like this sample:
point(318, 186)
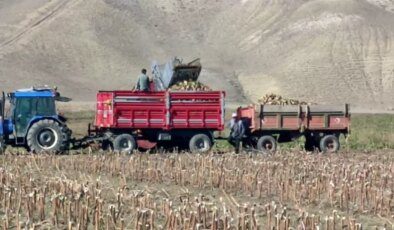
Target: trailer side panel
point(160, 110)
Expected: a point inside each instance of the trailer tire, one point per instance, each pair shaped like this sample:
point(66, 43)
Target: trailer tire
point(48, 135)
point(267, 144)
point(329, 144)
point(200, 143)
point(124, 143)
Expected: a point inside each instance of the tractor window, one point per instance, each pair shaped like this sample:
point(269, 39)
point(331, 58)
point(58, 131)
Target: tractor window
point(25, 106)
point(22, 115)
point(39, 106)
point(45, 106)
point(29, 107)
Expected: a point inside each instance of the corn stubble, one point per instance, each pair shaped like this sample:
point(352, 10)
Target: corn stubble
point(195, 192)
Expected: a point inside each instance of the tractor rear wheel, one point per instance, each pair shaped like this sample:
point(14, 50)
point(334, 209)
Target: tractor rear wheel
point(124, 143)
point(48, 135)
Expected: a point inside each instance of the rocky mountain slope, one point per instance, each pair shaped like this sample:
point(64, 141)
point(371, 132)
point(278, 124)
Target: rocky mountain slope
point(326, 51)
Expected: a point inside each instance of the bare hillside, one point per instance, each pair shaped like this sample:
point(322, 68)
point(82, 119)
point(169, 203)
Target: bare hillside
point(327, 51)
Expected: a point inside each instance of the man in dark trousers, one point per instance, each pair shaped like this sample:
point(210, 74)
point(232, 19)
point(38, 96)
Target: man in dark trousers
point(143, 81)
point(237, 131)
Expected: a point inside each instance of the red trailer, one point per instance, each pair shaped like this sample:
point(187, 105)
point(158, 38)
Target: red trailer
point(130, 119)
point(320, 125)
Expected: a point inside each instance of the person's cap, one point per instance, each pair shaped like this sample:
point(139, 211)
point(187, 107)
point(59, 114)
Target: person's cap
point(234, 115)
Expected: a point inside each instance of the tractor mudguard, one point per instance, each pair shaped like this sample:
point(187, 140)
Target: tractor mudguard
point(39, 118)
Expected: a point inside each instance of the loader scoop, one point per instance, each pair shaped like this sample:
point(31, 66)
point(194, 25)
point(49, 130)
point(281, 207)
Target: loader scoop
point(173, 72)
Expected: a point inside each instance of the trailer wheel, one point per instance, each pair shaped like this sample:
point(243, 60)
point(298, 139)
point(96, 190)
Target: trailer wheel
point(200, 143)
point(267, 144)
point(47, 135)
point(124, 143)
point(329, 144)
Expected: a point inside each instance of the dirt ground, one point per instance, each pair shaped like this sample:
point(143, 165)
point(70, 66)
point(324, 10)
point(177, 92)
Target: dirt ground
point(316, 50)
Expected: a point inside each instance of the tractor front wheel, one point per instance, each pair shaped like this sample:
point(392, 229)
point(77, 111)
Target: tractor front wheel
point(48, 135)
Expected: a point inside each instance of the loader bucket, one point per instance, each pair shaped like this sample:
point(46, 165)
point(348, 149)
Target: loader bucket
point(173, 72)
point(185, 73)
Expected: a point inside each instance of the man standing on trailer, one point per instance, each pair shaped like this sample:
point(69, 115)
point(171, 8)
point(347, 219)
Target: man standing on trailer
point(237, 131)
point(143, 81)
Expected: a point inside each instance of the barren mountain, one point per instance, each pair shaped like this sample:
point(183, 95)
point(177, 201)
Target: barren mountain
point(326, 51)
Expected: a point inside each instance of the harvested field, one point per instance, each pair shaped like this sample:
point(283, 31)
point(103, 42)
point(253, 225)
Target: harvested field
point(184, 191)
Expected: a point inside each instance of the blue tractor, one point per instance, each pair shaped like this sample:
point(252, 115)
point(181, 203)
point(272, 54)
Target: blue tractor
point(32, 121)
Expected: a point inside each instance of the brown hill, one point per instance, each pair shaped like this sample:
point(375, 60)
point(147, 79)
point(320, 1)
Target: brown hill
point(318, 50)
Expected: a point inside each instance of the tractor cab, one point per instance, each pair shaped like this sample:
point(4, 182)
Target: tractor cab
point(30, 105)
point(33, 120)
